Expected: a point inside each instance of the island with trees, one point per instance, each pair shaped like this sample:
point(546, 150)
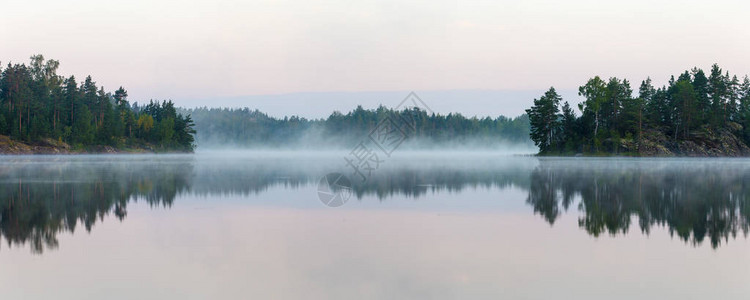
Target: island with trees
point(695, 114)
point(43, 112)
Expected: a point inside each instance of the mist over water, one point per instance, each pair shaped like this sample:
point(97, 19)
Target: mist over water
point(613, 193)
point(256, 215)
point(410, 147)
point(411, 125)
point(320, 141)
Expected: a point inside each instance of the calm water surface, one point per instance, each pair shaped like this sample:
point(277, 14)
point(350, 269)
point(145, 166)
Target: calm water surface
point(423, 225)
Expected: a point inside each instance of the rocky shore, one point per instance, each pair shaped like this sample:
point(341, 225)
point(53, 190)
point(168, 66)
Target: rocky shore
point(9, 146)
point(699, 143)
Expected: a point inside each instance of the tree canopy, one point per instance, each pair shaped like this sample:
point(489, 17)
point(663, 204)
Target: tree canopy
point(689, 106)
point(36, 103)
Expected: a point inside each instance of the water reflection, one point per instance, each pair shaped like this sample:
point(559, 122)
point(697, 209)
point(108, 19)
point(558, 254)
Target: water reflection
point(41, 198)
point(694, 199)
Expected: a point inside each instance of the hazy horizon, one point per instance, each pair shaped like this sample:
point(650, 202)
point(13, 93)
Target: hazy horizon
point(206, 51)
point(481, 103)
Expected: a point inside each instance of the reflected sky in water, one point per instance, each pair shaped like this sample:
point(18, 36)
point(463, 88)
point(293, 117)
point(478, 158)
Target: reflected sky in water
point(424, 225)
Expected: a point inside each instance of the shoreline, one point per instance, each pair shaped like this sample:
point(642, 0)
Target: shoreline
point(12, 147)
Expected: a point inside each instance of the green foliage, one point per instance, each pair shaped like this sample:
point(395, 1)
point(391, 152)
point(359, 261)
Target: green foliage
point(83, 129)
point(543, 118)
point(690, 103)
point(743, 114)
point(36, 103)
point(4, 127)
point(595, 92)
point(245, 127)
point(570, 130)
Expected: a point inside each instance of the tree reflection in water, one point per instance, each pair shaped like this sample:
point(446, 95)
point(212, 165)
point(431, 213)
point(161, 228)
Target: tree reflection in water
point(694, 199)
point(40, 200)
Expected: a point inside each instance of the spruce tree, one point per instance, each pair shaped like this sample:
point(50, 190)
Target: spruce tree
point(544, 120)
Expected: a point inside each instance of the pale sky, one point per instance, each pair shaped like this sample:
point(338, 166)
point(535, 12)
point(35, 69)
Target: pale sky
point(189, 50)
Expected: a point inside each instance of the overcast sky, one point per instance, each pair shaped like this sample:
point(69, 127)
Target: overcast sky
point(189, 50)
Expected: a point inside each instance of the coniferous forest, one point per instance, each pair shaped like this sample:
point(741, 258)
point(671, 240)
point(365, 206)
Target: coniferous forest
point(695, 114)
point(39, 106)
point(250, 128)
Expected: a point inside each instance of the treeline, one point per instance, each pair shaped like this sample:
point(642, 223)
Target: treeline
point(693, 104)
point(36, 103)
point(245, 127)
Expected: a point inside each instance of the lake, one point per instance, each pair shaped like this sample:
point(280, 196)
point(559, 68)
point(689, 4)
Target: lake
point(437, 225)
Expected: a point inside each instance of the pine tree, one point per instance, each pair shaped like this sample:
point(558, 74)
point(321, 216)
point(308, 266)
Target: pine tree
point(684, 101)
point(743, 113)
point(700, 85)
point(717, 91)
point(544, 120)
point(569, 128)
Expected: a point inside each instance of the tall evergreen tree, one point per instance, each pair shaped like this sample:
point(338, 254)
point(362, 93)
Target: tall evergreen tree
point(544, 120)
point(701, 88)
point(743, 114)
point(684, 101)
point(717, 91)
point(569, 128)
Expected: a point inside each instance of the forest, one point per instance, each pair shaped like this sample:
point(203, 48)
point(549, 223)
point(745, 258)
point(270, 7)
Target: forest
point(694, 114)
point(249, 128)
point(37, 105)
